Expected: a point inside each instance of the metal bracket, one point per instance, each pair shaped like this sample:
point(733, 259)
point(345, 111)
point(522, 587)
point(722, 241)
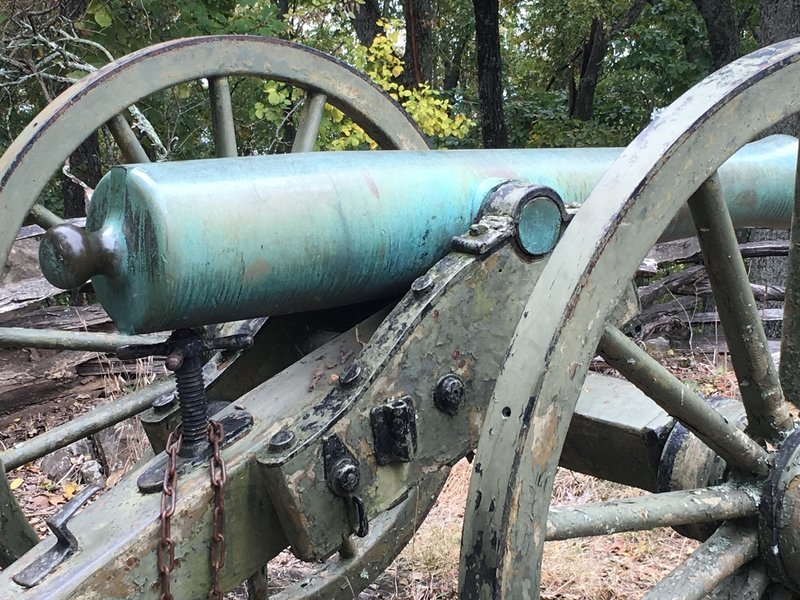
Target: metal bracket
point(485, 235)
point(234, 426)
point(394, 430)
point(534, 215)
point(66, 544)
point(343, 476)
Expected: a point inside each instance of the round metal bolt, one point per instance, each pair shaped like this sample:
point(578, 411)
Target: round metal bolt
point(346, 476)
point(281, 440)
point(165, 401)
point(350, 375)
point(478, 229)
point(422, 285)
point(449, 394)
point(174, 361)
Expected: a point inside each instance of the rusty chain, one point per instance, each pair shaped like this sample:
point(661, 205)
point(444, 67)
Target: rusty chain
point(165, 551)
point(218, 477)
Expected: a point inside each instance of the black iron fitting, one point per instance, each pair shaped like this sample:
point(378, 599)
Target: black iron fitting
point(186, 351)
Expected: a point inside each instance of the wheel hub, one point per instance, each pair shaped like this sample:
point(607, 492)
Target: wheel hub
point(779, 522)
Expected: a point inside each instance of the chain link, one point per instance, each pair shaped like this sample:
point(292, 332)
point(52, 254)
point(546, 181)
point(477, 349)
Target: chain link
point(165, 552)
point(218, 478)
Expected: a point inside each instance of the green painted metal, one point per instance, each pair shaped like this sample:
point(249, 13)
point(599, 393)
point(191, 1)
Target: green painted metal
point(44, 217)
point(767, 415)
point(219, 92)
point(69, 340)
point(85, 425)
point(16, 534)
point(677, 399)
point(670, 509)
point(631, 206)
point(789, 368)
point(167, 249)
point(732, 546)
point(132, 151)
point(610, 408)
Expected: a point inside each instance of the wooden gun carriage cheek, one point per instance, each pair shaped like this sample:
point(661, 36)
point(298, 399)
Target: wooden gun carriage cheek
point(368, 319)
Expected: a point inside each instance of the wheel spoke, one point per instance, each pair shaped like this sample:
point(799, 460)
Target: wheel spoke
point(767, 415)
point(789, 368)
point(730, 547)
point(308, 130)
point(56, 339)
point(85, 425)
point(132, 150)
point(44, 217)
point(669, 509)
point(749, 582)
point(222, 117)
point(732, 444)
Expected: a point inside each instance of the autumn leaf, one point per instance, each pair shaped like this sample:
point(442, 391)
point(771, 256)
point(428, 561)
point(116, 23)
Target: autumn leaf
point(15, 483)
point(69, 489)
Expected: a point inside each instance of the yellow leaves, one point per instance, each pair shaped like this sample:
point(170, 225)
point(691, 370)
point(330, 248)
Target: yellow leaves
point(15, 483)
point(70, 488)
point(382, 62)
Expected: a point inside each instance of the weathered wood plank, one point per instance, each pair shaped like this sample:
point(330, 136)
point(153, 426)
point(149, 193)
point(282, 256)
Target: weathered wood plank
point(59, 317)
point(22, 294)
point(45, 377)
point(688, 251)
point(30, 231)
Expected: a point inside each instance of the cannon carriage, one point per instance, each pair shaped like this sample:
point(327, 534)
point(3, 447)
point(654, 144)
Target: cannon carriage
point(452, 302)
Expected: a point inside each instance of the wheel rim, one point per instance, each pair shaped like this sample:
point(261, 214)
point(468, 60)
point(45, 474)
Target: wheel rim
point(548, 357)
point(49, 139)
point(100, 98)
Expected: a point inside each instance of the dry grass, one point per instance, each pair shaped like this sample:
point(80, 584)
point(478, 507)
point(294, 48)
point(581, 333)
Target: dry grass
point(603, 568)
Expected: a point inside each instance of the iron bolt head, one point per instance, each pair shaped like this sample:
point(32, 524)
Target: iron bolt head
point(449, 394)
point(174, 361)
point(350, 375)
point(162, 403)
point(422, 285)
point(346, 476)
point(281, 440)
point(478, 229)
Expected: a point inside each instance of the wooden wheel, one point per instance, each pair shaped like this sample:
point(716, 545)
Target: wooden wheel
point(569, 315)
point(102, 99)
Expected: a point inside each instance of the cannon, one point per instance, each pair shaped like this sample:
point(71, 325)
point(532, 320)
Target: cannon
point(371, 318)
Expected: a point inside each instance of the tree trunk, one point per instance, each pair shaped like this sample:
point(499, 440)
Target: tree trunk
point(490, 83)
point(417, 56)
point(365, 21)
point(594, 50)
point(452, 66)
point(723, 30)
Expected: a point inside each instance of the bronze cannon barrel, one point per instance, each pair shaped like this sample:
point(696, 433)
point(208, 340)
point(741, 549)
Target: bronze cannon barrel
point(169, 245)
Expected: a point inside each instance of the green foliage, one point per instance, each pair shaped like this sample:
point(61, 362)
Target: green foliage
point(381, 63)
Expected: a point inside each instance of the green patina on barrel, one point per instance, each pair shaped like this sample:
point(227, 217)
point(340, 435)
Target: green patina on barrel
point(197, 242)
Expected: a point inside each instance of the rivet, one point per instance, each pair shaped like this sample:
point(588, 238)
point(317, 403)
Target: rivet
point(281, 440)
point(350, 375)
point(422, 285)
point(478, 229)
point(449, 394)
